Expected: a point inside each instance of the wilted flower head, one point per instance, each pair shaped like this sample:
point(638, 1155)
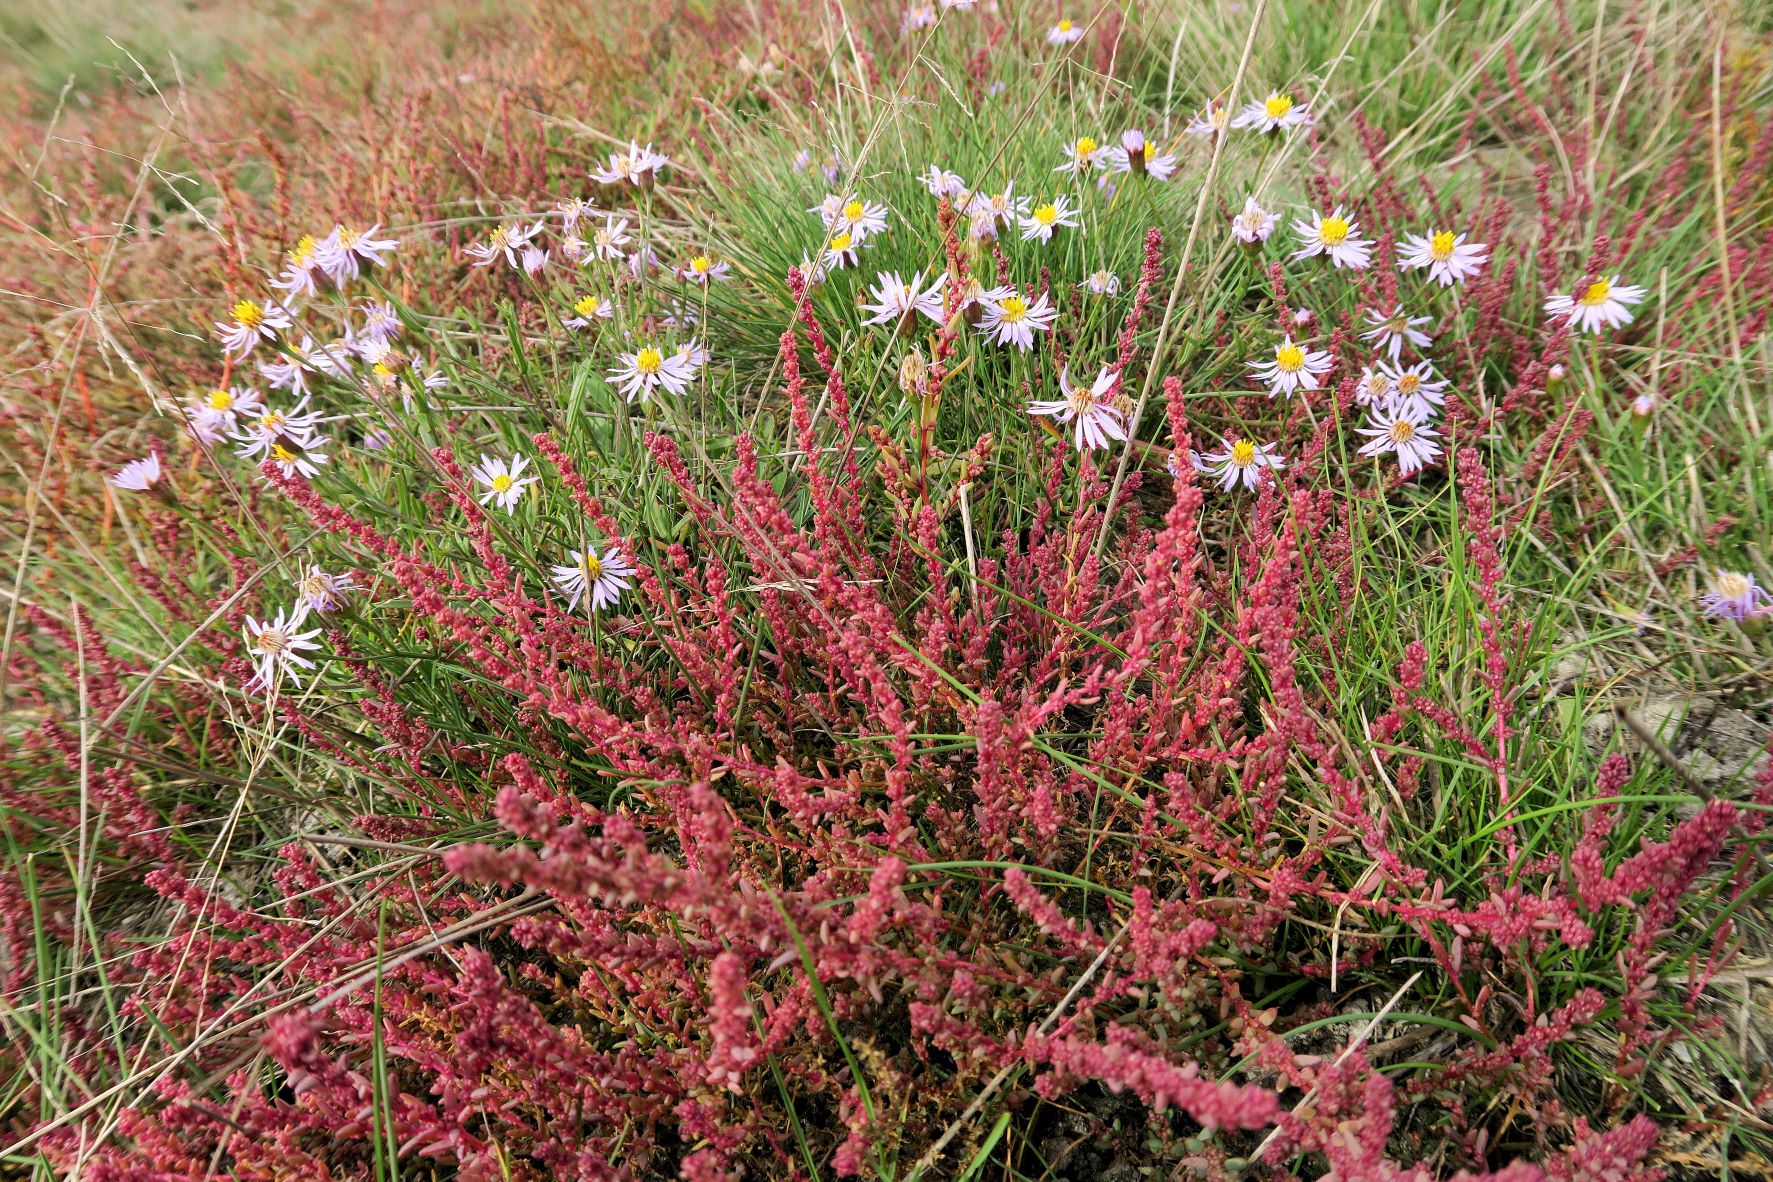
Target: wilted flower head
point(1735, 595)
point(324, 592)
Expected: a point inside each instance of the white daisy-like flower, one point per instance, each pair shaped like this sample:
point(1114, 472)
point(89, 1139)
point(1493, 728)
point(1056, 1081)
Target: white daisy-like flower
point(897, 302)
point(1102, 283)
point(1277, 112)
point(704, 270)
point(841, 251)
point(1242, 462)
point(992, 212)
point(637, 166)
point(588, 309)
point(1253, 224)
point(344, 253)
point(609, 239)
point(1736, 596)
point(276, 647)
point(380, 322)
point(918, 16)
point(1391, 332)
point(1415, 388)
point(575, 250)
point(1047, 218)
point(1081, 155)
point(942, 183)
point(1644, 405)
point(1335, 236)
point(1209, 121)
point(301, 269)
point(603, 576)
point(973, 296)
point(1292, 369)
point(1375, 387)
point(1088, 409)
point(298, 455)
point(290, 371)
point(252, 322)
point(642, 261)
point(507, 241)
point(639, 373)
point(694, 354)
point(1064, 33)
point(1605, 303)
point(1402, 431)
point(234, 402)
point(812, 270)
point(324, 592)
point(861, 218)
point(1138, 156)
point(1449, 258)
point(259, 436)
point(1012, 320)
point(503, 480)
point(572, 211)
point(534, 259)
point(138, 475)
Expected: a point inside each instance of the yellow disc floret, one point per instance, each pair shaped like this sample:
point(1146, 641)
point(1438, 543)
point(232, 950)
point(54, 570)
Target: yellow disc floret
point(1597, 293)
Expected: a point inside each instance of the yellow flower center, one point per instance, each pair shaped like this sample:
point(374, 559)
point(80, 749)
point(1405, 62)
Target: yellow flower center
point(1065, 26)
point(1440, 247)
point(1085, 145)
point(1277, 105)
point(587, 305)
point(314, 586)
point(701, 264)
point(303, 252)
point(272, 421)
point(1012, 309)
point(220, 400)
point(1409, 383)
point(1402, 431)
point(1378, 385)
point(1243, 453)
point(502, 483)
point(841, 243)
point(648, 361)
point(500, 238)
point(348, 238)
point(1333, 231)
point(1046, 215)
point(282, 454)
point(1732, 585)
point(248, 313)
point(1597, 293)
point(853, 212)
point(592, 566)
point(1289, 358)
point(270, 640)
